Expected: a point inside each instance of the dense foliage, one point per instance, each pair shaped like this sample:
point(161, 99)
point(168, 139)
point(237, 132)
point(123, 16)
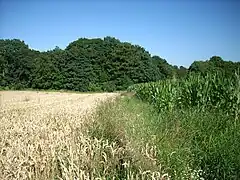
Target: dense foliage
point(92, 65)
point(214, 65)
point(208, 109)
point(85, 65)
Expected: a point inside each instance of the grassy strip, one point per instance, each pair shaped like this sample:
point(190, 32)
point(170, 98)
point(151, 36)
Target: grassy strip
point(115, 123)
point(187, 144)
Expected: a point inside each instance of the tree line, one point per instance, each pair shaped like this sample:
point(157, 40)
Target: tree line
point(92, 65)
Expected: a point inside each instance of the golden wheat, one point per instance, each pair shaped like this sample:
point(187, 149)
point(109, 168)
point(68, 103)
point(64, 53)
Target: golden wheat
point(44, 136)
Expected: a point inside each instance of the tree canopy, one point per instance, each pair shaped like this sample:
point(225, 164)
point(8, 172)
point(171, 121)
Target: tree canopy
point(91, 65)
point(215, 65)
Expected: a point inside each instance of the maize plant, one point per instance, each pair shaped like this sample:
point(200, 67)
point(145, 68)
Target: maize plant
point(210, 92)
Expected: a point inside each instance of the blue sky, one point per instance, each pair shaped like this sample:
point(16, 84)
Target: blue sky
point(179, 31)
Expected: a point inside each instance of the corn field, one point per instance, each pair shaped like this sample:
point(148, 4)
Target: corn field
point(212, 92)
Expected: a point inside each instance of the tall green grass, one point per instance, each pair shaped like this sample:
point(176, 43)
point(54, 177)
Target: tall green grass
point(185, 144)
point(119, 122)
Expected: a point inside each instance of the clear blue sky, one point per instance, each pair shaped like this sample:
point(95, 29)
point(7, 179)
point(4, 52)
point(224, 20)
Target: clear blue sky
point(180, 31)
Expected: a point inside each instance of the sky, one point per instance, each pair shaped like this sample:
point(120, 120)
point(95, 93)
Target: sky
point(180, 31)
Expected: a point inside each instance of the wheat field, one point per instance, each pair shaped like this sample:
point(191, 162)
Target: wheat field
point(43, 135)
